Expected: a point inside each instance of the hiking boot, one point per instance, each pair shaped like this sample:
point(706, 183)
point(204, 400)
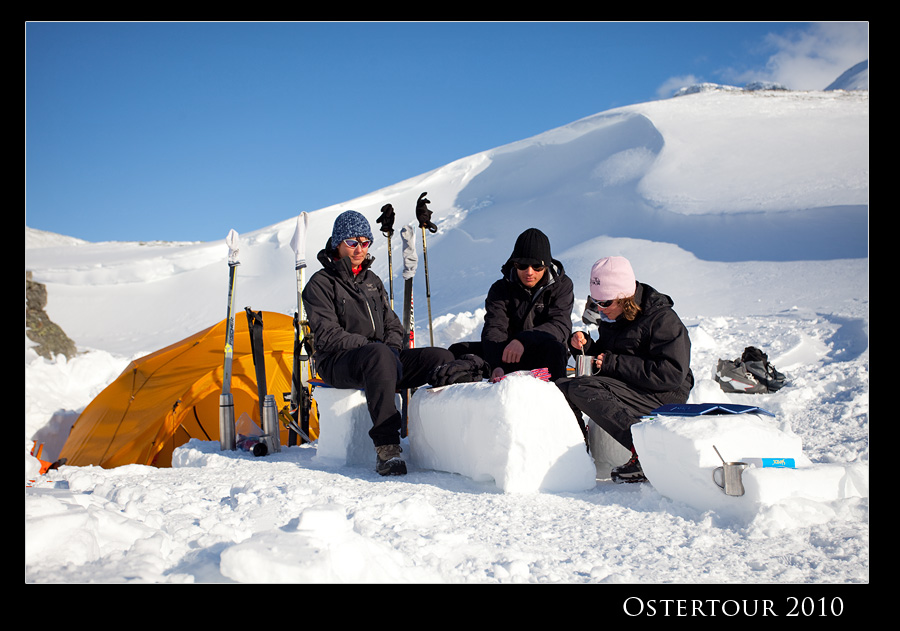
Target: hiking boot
point(388, 460)
point(631, 471)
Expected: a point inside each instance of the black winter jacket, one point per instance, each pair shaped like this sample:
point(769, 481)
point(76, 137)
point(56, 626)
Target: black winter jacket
point(346, 311)
point(512, 311)
point(651, 353)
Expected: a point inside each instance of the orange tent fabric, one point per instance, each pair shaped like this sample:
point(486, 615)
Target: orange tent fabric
point(164, 399)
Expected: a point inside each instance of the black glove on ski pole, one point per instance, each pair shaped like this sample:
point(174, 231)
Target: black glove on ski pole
point(387, 229)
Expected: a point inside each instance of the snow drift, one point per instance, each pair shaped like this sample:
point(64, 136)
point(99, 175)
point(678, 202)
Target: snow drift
point(749, 208)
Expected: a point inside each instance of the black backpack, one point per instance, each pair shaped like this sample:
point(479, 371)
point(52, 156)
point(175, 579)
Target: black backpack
point(750, 374)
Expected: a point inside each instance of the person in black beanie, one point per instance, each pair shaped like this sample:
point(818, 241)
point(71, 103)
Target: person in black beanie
point(359, 340)
point(528, 312)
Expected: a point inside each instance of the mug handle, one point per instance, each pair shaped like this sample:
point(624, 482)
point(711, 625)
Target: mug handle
point(722, 469)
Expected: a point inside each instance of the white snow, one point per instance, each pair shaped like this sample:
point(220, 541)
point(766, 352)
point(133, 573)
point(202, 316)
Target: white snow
point(518, 433)
point(681, 454)
point(749, 208)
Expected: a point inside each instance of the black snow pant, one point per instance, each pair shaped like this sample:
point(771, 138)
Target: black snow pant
point(548, 354)
point(380, 372)
point(612, 404)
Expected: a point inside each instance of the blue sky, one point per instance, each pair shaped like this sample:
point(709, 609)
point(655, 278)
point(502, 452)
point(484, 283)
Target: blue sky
point(184, 130)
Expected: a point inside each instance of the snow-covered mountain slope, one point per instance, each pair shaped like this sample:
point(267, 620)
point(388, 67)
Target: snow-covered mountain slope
point(711, 195)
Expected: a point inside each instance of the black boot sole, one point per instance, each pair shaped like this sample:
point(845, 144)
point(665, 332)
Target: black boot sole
point(395, 466)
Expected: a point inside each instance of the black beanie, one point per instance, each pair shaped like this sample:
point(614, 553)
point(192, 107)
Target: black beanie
point(532, 246)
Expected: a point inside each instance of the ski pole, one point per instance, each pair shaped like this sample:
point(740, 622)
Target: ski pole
point(387, 229)
point(390, 270)
point(427, 286)
point(423, 214)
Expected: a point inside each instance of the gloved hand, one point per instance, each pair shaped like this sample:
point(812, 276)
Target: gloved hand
point(386, 219)
point(423, 214)
point(466, 369)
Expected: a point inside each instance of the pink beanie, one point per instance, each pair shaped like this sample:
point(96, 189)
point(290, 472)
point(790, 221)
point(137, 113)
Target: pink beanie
point(611, 278)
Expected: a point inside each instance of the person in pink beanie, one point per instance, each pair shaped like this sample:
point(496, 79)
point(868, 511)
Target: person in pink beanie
point(641, 357)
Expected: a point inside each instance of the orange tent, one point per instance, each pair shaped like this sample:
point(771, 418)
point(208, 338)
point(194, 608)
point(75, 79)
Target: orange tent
point(164, 399)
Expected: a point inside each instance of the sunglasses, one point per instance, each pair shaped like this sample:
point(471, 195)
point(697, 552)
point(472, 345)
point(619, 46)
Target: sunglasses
point(524, 266)
point(592, 308)
point(354, 243)
point(601, 304)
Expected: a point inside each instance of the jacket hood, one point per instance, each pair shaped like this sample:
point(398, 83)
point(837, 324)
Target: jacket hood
point(650, 300)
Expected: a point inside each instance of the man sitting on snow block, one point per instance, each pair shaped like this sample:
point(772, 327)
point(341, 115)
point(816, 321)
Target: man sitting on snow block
point(528, 312)
point(359, 338)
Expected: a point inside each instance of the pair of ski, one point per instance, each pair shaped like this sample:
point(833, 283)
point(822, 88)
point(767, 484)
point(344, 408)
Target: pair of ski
point(302, 406)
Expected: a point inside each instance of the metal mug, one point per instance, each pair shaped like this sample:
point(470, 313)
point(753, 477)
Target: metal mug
point(731, 477)
point(584, 365)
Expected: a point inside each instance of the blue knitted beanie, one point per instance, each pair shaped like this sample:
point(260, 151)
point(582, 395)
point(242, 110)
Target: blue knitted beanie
point(350, 224)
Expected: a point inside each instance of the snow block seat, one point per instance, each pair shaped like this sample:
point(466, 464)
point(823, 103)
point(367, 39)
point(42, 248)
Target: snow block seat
point(344, 425)
point(678, 447)
point(519, 433)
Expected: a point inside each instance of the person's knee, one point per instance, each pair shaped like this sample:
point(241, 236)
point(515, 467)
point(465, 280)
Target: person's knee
point(458, 349)
point(429, 357)
point(440, 356)
point(379, 359)
point(586, 392)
